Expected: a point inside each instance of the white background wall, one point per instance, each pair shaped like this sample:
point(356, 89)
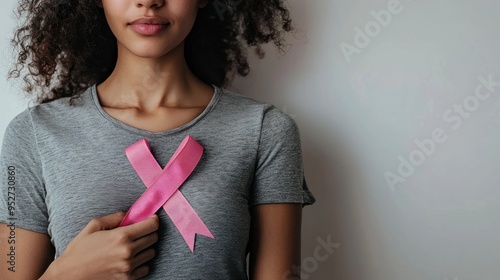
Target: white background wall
point(361, 116)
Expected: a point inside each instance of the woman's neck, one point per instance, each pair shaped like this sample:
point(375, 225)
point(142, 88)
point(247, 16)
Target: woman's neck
point(150, 83)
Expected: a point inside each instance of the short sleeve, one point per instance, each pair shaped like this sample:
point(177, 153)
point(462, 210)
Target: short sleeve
point(22, 190)
point(279, 175)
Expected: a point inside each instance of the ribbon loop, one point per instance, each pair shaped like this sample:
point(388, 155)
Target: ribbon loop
point(162, 187)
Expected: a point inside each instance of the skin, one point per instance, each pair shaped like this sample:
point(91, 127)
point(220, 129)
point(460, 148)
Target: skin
point(152, 89)
point(275, 241)
point(99, 251)
point(151, 86)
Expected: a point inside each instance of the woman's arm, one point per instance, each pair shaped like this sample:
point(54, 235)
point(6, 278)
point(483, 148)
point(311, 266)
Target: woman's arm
point(99, 251)
point(33, 253)
point(275, 241)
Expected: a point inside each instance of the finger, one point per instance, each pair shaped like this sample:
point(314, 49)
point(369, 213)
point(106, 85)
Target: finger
point(103, 223)
point(143, 257)
point(142, 228)
point(140, 272)
point(144, 242)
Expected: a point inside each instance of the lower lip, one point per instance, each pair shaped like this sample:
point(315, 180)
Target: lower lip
point(148, 29)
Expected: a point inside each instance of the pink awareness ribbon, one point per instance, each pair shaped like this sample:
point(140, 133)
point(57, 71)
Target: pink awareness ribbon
point(162, 187)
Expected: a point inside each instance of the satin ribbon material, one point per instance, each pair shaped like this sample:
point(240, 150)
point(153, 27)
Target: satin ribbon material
point(163, 187)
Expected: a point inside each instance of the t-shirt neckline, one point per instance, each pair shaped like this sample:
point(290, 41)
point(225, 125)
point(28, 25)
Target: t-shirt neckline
point(211, 105)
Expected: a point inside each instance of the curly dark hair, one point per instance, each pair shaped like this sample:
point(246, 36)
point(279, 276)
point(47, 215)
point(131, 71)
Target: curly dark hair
point(69, 41)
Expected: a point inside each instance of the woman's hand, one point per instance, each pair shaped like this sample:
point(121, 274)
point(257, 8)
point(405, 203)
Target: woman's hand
point(103, 251)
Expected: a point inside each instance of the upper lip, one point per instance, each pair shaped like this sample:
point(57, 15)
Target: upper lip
point(150, 20)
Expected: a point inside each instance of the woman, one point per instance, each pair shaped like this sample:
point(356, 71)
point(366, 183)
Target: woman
point(148, 69)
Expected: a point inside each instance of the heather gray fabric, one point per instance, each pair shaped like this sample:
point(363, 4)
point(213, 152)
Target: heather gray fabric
point(71, 167)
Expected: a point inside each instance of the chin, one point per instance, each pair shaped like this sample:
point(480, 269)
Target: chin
point(150, 52)
point(153, 50)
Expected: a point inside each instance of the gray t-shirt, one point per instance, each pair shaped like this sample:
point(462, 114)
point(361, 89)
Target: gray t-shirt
point(70, 167)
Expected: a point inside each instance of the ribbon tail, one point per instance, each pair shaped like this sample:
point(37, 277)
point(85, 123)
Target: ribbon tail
point(186, 219)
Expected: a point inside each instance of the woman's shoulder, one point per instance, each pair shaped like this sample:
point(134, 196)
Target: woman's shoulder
point(50, 115)
point(238, 102)
point(19, 123)
point(61, 105)
point(236, 98)
point(64, 108)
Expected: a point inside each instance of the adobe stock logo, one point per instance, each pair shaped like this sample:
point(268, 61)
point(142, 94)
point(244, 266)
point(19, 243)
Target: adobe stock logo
point(363, 37)
point(310, 264)
point(455, 117)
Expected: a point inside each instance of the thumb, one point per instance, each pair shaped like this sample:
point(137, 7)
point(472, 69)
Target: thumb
point(104, 223)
